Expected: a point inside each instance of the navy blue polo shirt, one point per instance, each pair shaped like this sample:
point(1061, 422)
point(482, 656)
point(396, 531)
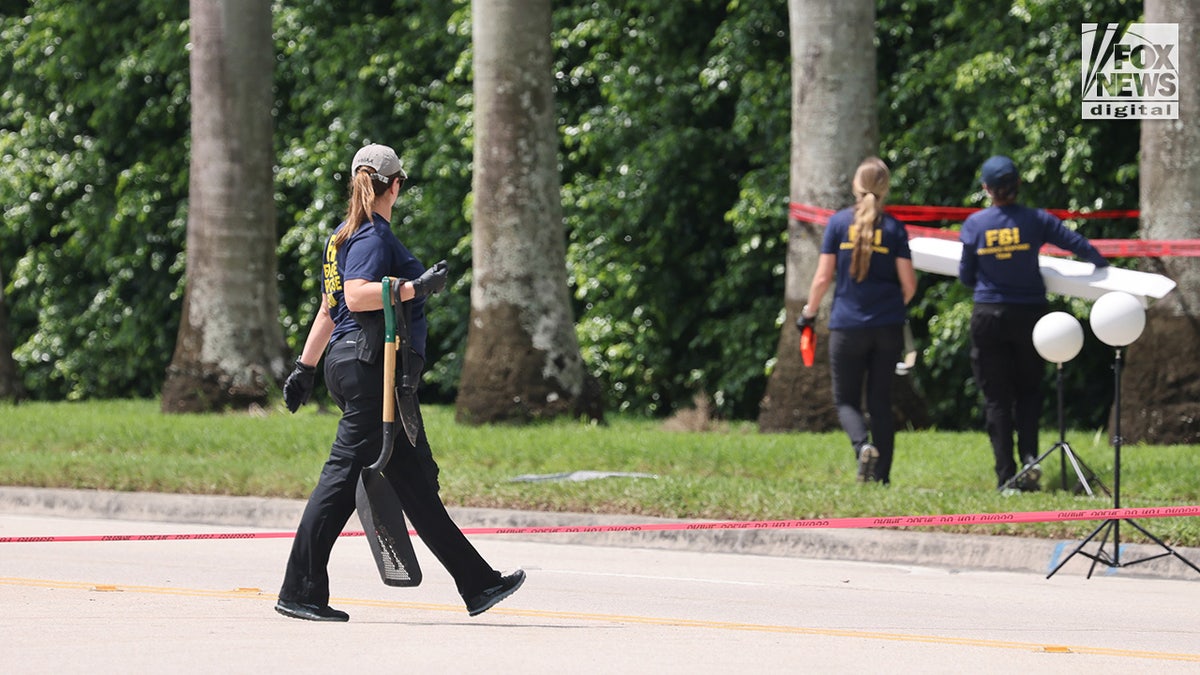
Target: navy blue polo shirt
point(1000, 252)
point(877, 300)
point(371, 253)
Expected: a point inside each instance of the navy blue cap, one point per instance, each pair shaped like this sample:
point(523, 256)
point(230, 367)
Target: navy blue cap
point(998, 171)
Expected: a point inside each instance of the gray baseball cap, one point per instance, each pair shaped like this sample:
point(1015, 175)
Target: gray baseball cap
point(381, 159)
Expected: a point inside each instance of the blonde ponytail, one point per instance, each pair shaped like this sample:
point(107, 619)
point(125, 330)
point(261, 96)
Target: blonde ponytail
point(363, 190)
point(872, 181)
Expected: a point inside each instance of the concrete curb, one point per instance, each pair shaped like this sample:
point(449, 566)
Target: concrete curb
point(926, 549)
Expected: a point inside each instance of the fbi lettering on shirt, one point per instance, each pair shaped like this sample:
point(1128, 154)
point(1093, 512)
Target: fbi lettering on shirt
point(329, 272)
point(852, 236)
point(1002, 242)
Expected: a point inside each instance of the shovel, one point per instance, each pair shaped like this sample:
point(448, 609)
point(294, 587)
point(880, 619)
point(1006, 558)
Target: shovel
point(378, 505)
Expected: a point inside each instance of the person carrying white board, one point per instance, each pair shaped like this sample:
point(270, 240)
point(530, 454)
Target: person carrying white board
point(1000, 261)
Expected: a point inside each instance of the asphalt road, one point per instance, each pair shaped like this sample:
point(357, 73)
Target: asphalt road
point(206, 605)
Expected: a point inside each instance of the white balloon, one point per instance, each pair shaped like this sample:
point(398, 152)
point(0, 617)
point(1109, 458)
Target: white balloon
point(1058, 337)
point(1118, 318)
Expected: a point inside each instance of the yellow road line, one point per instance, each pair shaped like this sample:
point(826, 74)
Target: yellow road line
point(254, 593)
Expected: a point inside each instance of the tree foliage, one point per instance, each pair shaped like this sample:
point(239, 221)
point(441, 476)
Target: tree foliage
point(93, 125)
point(675, 134)
point(674, 128)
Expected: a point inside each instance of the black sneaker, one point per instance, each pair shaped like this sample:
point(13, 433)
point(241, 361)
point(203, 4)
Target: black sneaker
point(488, 599)
point(868, 455)
point(303, 610)
point(1028, 482)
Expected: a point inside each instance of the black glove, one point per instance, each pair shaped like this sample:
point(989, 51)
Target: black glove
point(803, 322)
point(299, 386)
point(432, 281)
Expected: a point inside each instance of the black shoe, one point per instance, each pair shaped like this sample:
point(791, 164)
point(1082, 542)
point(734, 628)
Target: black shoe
point(868, 456)
point(488, 599)
point(1028, 482)
point(301, 610)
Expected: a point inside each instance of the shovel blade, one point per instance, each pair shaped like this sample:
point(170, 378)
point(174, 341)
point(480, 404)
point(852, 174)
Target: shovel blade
point(410, 418)
point(382, 518)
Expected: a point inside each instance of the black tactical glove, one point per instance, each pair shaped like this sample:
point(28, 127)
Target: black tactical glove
point(803, 322)
point(432, 281)
point(299, 386)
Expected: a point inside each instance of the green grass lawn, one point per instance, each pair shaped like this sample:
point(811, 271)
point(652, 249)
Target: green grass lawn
point(735, 473)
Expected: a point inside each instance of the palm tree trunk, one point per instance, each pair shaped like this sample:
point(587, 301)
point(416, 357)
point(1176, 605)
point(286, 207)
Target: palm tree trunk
point(11, 387)
point(230, 349)
point(834, 127)
point(522, 359)
point(1160, 397)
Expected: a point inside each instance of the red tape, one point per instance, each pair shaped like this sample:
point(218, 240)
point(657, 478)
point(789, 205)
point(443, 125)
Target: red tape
point(913, 214)
point(813, 524)
point(923, 214)
point(1110, 248)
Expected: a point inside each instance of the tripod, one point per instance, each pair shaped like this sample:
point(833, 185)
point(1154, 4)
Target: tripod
point(1112, 526)
point(1082, 472)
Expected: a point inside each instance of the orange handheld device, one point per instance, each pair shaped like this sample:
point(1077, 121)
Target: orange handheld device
point(808, 345)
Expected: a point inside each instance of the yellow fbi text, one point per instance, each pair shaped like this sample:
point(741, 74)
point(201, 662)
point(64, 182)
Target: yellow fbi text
point(1002, 242)
point(333, 280)
point(852, 236)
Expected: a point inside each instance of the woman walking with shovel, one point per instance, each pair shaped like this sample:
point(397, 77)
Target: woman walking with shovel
point(348, 330)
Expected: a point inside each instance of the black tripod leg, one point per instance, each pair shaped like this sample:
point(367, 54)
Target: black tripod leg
point(1168, 549)
point(1085, 473)
point(1100, 556)
point(1079, 549)
point(1077, 465)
